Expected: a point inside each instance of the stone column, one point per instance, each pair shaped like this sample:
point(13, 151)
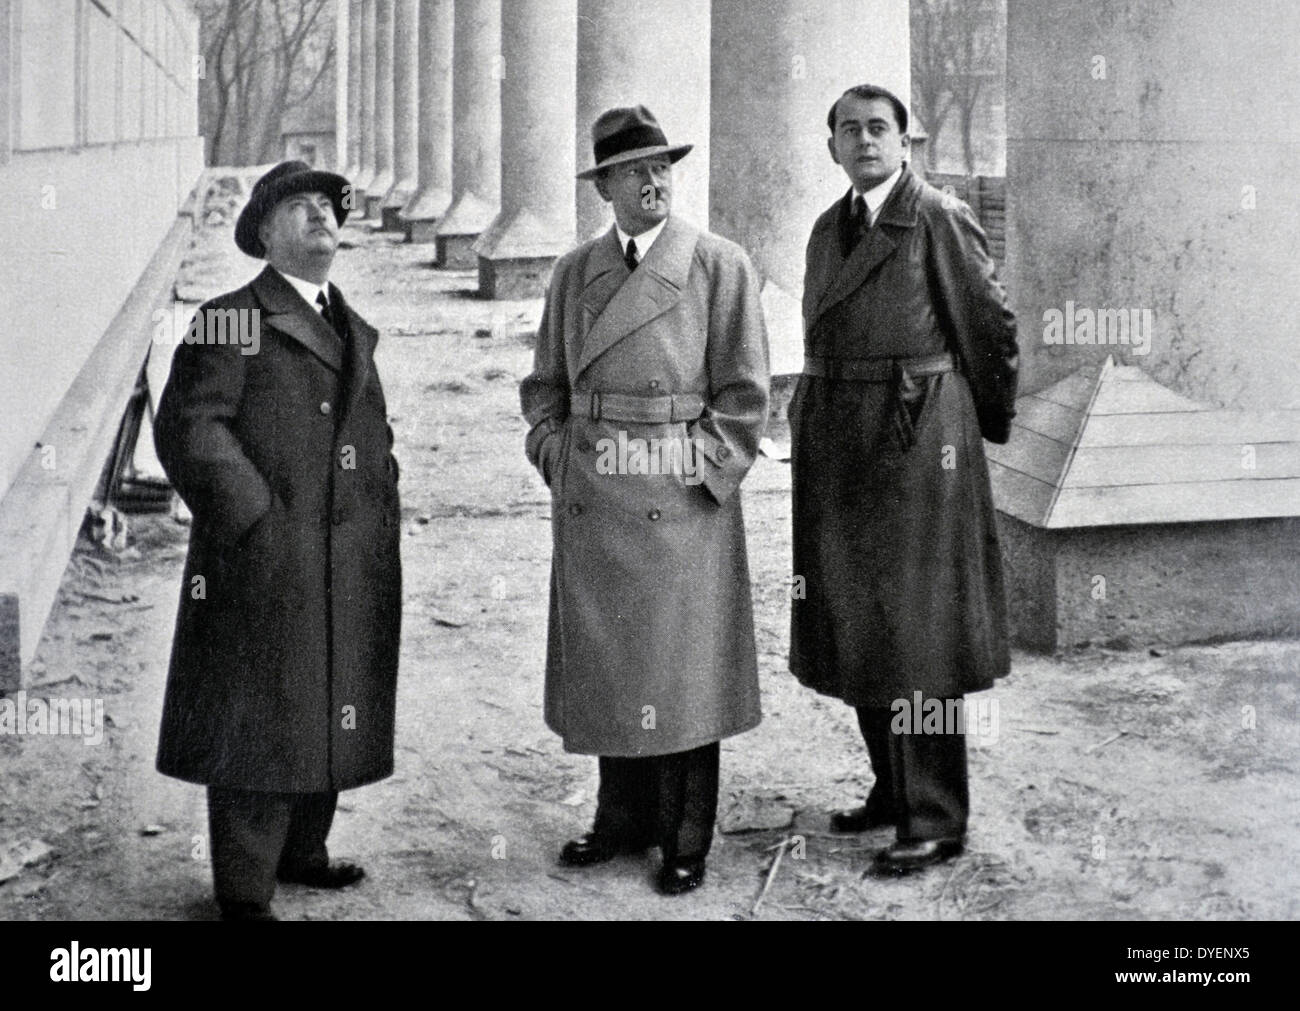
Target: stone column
point(384, 177)
point(432, 196)
point(536, 222)
point(777, 67)
point(622, 62)
point(352, 158)
point(406, 114)
point(476, 132)
point(342, 74)
point(1150, 170)
point(362, 184)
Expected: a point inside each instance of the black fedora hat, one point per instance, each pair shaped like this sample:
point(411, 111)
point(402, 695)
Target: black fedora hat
point(286, 179)
point(621, 135)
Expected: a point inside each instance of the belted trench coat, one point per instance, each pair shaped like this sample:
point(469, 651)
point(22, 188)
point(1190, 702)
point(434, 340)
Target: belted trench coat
point(650, 646)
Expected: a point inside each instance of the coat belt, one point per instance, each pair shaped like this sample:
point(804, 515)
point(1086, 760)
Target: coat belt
point(643, 410)
point(876, 370)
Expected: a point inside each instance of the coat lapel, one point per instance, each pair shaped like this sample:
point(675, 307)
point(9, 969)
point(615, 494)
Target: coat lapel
point(616, 303)
point(899, 211)
point(290, 314)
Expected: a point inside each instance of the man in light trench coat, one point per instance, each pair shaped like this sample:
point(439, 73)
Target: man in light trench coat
point(283, 674)
point(647, 400)
point(910, 358)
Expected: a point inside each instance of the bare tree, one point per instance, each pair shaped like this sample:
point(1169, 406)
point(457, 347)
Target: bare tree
point(263, 57)
point(930, 92)
point(958, 48)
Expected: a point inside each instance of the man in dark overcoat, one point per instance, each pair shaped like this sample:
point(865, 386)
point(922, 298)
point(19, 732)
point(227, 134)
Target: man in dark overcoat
point(910, 358)
point(646, 403)
point(284, 669)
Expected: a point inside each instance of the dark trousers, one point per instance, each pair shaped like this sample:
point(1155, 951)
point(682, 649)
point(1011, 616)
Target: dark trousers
point(668, 800)
point(255, 834)
point(920, 778)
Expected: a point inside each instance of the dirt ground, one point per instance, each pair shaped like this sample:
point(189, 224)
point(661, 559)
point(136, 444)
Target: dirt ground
point(1139, 783)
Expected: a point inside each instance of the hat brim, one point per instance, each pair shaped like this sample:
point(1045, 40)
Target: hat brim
point(333, 185)
point(674, 153)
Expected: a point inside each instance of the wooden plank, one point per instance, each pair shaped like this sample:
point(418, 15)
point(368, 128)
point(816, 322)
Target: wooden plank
point(1032, 454)
point(1196, 428)
point(1175, 503)
point(1035, 414)
point(1148, 397)
point(1019, 495)
point(1074, 391)
point(1116, 466)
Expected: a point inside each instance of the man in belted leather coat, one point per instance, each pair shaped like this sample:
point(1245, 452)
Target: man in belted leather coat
point(910, 360)
point(646, 403)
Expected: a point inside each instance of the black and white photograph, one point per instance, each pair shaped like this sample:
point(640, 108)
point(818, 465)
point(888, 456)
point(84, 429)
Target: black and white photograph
point(787, 461)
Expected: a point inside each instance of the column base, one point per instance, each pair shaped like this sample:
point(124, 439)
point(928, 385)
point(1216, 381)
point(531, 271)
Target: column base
point(391, 218)
point(374, 205)
point(523, 277)
point(456, 252)
point(423, 230)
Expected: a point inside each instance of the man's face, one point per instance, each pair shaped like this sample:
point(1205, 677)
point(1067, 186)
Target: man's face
point(640, 191)
point(300, 227)
point(867, 143)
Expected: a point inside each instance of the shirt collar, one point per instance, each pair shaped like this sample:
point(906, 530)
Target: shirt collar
point(877, 195)
point(307, 289)
point(643, 241)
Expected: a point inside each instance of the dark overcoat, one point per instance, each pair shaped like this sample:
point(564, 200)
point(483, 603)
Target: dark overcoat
point(651, 636)
point(894, 528)
point(284, 668)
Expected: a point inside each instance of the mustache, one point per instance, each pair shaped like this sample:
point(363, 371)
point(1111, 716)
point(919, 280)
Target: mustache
point(652, 196)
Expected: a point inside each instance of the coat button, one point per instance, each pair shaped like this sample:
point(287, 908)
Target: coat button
point(653, 514)
point(325, 407)
point(575, 509)
point(723, 452)
point(654, 384)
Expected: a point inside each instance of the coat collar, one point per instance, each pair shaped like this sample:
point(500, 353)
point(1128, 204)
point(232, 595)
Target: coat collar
point(840, 277)
point(288, 312)
point(614, 303)
point(291, 315)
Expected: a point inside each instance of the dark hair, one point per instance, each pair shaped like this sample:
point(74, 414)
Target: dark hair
point(869, 91)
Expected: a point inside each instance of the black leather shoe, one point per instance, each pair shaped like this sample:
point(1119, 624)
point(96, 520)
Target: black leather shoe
point(861, 819)
point(337, 874)
point(679, 876)
point(906, 857)
point(596, 849)
point(246, 912)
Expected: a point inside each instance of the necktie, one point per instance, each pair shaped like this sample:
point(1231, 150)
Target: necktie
point(630, 257)
point(858, 224)
point(327, 311)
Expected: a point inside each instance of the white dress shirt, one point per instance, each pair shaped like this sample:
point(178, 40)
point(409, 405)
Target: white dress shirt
point(643, 241)
point(875, 197)
point(307, 289)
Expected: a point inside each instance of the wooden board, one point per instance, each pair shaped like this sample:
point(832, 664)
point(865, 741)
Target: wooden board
point(1115, 466)
point(1175, 503)
point(1033, 454)
point(1195, 428)
point(1019, 495)
point(1034, 414)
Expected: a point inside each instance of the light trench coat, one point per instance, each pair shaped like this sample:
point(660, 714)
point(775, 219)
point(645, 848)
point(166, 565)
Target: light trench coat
point(650, 648)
